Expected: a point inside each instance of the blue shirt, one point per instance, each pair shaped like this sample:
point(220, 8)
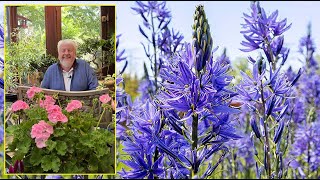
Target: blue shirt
point(83, 78)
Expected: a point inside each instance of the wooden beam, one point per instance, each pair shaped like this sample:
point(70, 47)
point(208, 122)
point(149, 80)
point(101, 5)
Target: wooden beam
point(107, 30)
point(53, 29)
point(13, 23)
point(107, 21)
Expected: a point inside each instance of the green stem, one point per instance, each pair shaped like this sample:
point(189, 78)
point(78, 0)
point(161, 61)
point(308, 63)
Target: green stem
point(265, 124)
point(222, 169)
point(194, 139)
point(194, 131)
point(308, 163)
point(234, 166)
point(155, 54)
point(277, 165)
point(104, 109)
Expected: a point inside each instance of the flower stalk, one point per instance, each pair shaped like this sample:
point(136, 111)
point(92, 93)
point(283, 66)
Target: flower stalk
point(104, 110)
point(266, 130)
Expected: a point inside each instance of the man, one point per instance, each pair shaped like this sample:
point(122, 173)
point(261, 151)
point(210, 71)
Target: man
point(69, 74)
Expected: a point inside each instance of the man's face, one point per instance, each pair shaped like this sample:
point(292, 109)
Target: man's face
point(67, 55)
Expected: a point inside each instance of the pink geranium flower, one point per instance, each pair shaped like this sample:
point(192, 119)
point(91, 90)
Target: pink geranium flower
point(41, 143)
point(41, 132)
point(47, 102)
point(57, 116)
point(19, 105)
point(32, 91)
point(73, 104)
point(53, 109)
point(105, 98)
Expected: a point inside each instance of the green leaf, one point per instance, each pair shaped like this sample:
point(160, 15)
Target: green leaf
point(106, 164)
point(24, 145)
point(61, 147)
point(50, 162)
point(11, 129)
point(35, 156)
point(87, 140)
point(58, 132)
point(93, 164)
point(100, 151)
point(258, 160)
point(51, 145)
point(70, 166)
point(18, 156)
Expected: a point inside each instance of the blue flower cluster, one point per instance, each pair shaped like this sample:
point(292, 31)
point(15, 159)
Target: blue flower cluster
point(180, 129)
point(306, 110)
point(267, 92)
point(161, 42)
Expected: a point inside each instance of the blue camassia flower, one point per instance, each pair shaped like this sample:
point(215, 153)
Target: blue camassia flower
point(262, 29)
point(141, 168)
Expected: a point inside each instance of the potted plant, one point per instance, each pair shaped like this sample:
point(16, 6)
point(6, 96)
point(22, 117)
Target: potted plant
point(55, 139)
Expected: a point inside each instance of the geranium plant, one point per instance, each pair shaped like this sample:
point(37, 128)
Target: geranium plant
point(55, 139)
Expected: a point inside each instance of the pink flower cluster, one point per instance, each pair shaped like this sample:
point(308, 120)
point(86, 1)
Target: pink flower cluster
point(57, 116)
point(32, 91)
point(19, 105)
point(41, 132)
point(73, 104)
point(105, 98)
point(54, 111)
point(47, 102)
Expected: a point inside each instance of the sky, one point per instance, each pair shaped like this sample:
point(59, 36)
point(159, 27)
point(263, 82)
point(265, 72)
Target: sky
point(224, 19)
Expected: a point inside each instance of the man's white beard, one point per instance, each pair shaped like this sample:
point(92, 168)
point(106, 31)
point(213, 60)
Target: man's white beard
point(66, 64)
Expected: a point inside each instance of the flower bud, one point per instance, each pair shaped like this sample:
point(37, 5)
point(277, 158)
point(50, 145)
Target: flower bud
point(201, 33)
point(11, 169)
point(279, 131)
point(265, 158)
point(262, 126)
point(271, 106)
point(255, 126)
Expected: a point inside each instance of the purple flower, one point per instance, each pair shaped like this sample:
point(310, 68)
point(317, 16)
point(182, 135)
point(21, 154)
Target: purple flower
point(185, 122)
point(1, 37)
point(54, 177)
point(119, 56)
point(224, 59)
point(141, 168)
point(268, 93)
point(306, 146)
point(199, 96)
point(262, 29)
point(156, 18)
point(169, 42)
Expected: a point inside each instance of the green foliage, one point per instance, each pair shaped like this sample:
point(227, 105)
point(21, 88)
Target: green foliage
point(80, 22)
point(19, 57)
point(77, 146)
point(99, 52)
point(131, 86)
point(36, 16)
point(240, 64)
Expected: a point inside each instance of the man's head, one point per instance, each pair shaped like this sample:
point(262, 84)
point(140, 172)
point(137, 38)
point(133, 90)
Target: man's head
point(67, 50)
